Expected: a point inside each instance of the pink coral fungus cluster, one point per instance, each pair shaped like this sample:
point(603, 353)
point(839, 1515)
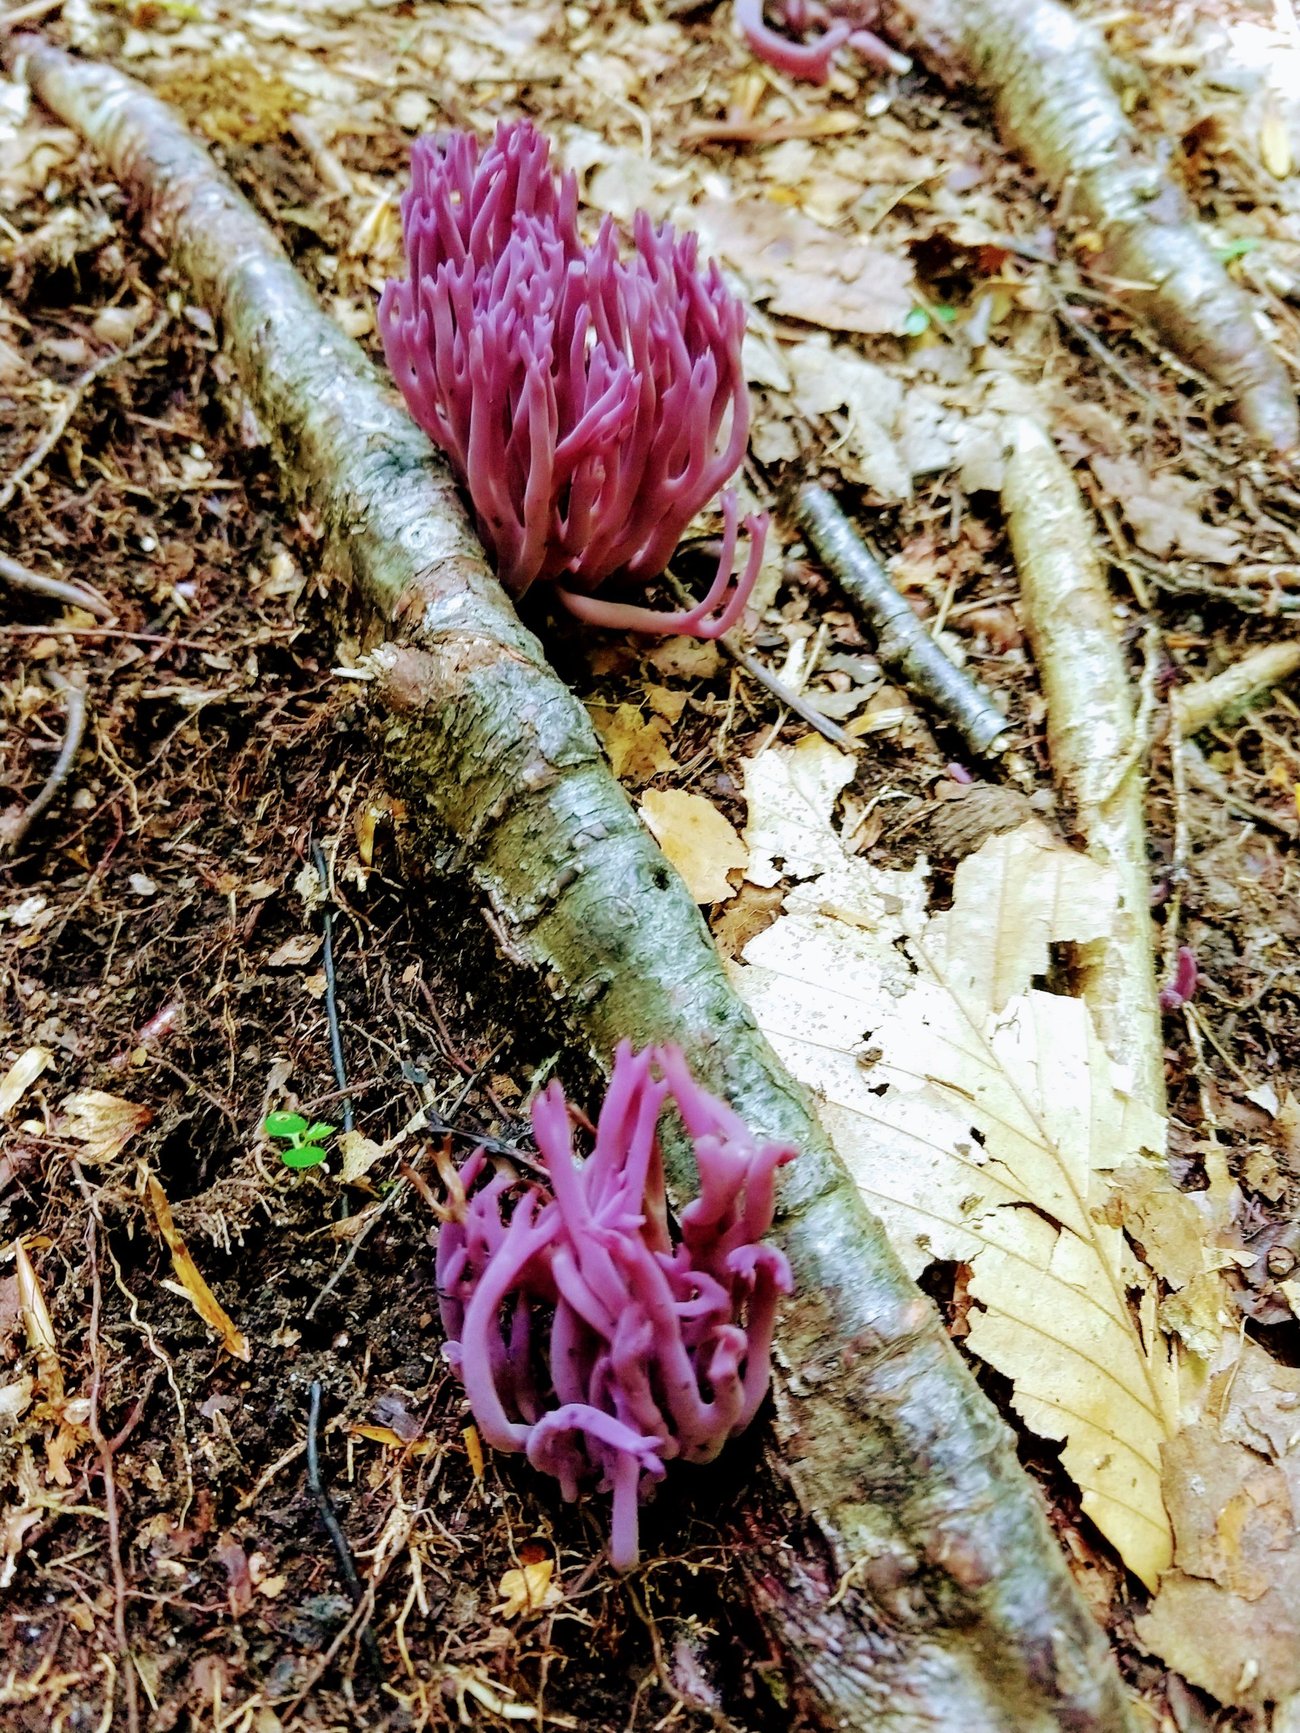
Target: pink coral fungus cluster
point(590, 402)
point(841, 24)
point(584, 1335)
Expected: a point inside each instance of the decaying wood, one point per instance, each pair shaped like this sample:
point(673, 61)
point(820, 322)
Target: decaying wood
point(902, 642)
point(1092, 735)
point(1258, 671)
point(1044, 72)
point(938, 1598)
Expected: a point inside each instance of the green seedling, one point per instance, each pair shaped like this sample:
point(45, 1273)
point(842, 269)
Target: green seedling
point(304, 1143)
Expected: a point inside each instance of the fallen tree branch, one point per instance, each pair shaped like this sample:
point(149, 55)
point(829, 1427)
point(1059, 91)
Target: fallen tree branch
point(938, 1598)
point(903, 644)
point(1044, 72)
point(1258, 671)
point(1093, 736)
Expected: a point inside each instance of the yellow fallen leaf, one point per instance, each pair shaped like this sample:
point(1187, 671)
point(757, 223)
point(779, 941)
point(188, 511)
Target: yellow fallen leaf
point(697, 839)
point(39, 1326)
point(190, 1283)
point(21, 1075)
point(390, 1440)
point(637, 745)
point(981, 1117)
point(474, 1450)
point(529, 1590)
point(103, 1123)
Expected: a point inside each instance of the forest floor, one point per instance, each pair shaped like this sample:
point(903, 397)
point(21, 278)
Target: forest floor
point(161, 927)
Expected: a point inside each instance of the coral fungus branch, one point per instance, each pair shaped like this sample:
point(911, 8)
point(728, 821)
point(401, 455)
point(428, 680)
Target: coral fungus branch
point(589, 403)
point(652, 1350)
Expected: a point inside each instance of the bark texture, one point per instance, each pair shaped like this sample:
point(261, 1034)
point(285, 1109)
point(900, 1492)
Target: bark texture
point(1092, 735)
point(1044, 72)
point(941, 1599)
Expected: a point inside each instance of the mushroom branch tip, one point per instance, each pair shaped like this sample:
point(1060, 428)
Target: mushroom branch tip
point(587, 1333)
point(590, 402)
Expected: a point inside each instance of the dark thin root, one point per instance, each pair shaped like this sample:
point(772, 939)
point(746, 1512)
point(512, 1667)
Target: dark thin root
point(333, 1528)
point(14, 828)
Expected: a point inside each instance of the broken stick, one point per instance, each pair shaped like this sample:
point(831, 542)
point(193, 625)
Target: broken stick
point(902, 642)
point(930, 1593)
point(1092, 735)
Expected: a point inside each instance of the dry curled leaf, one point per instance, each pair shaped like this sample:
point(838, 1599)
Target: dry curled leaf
point(1228, 1616)
point(189, 1283)
point(39, 1326)
point(21, 1075)
point(103, 1124)
point(529, 1590)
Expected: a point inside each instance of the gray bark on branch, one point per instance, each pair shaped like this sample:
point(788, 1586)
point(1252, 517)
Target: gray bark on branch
point(940, 1599)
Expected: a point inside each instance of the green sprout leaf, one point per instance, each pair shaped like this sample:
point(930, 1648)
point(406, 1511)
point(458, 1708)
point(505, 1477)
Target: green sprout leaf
point(303, 1155)
point(1237, 249)
point(284, 1125)
point(318, 1132)
point(917, 322)
point(945, 314)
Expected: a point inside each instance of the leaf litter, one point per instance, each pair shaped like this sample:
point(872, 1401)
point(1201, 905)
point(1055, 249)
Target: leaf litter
point(912, 424)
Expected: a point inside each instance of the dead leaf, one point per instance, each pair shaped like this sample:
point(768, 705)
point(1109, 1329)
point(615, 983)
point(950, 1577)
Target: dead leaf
point(21, 1075)
point(39, 1326)
point(697, 839)
point(21, 1515)
point(359, 1155)
point(806, 271)
point(790, 795)
point(637, 745)
point(15, 1400)
point(1165, 513)
point(189, 1283)
point(391, 1440)
point(293, 953)
point(103, 1123)
point(862, 402)
point(529, 1590)
point(1228, 1617)
point(978, 1115)
point(1274, 141)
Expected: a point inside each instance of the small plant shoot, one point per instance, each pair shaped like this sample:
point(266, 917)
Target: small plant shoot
point(304, 1143)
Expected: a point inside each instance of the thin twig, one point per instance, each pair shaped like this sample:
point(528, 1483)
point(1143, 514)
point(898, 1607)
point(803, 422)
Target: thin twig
point(71, 403)
point(29, 13)
point(783, 693)
point(13, 828)
point(331, 988)
point(105, 1449)
point(334, 1529)
point(902, 642)
point(76, 595)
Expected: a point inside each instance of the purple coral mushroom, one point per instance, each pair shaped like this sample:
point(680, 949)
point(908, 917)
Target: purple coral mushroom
point(843, 24)
point(585, 1336)
point(590, 403)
